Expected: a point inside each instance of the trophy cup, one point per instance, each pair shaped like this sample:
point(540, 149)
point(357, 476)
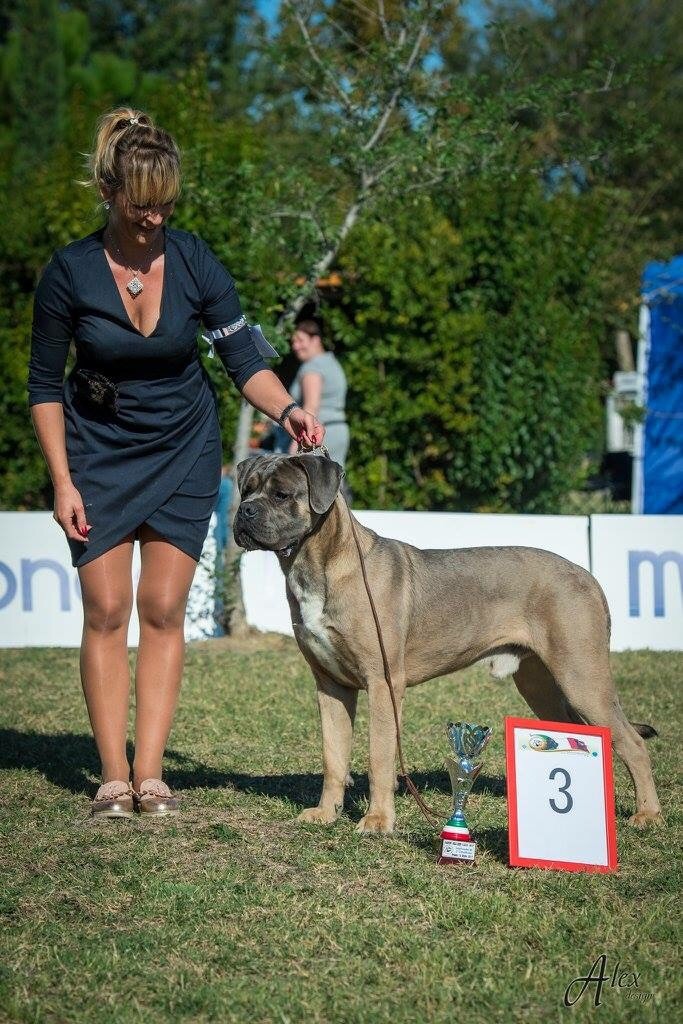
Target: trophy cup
point(467, 742)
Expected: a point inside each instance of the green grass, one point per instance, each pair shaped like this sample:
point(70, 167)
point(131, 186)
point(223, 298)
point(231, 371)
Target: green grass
point(235, 912)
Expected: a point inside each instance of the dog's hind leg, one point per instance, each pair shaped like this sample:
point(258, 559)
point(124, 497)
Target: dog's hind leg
point(578, 687)
point(630, 747)
point(538, 687)
point(337, 705)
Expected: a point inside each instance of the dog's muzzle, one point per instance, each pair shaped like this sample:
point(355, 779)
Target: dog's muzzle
point(255, 527)
point(246, 525)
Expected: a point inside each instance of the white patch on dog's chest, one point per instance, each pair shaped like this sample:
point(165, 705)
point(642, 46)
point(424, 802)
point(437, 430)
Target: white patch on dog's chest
point(312, 631)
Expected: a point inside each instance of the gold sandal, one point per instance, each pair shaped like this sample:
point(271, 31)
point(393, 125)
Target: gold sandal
point(113, 800)
point(154, 798)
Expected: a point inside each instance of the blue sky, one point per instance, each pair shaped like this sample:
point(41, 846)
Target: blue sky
point(472, 9)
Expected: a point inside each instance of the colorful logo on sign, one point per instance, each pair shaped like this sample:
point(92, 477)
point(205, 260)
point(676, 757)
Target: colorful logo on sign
point(542, 744)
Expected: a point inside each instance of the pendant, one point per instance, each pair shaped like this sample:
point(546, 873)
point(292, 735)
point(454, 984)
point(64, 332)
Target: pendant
point(135, 286)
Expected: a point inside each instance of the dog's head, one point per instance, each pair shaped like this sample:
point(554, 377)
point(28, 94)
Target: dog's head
point(283, 498)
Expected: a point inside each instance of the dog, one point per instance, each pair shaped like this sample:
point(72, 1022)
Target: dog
point(522, 611)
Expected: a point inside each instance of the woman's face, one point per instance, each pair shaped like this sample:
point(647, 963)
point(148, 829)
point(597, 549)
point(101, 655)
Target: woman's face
point(305, 346)
point(136, 225)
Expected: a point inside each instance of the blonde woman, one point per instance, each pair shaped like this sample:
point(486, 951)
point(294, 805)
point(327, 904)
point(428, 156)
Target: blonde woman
point(131, 437)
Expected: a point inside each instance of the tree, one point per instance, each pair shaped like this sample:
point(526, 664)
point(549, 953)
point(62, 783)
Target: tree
point(472, 361)
point(35, 100)
point(638, 114)
point(396, 125)
point(168, 37)
point(373, 148)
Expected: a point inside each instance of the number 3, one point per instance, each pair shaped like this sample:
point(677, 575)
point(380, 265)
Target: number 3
point(563, 789)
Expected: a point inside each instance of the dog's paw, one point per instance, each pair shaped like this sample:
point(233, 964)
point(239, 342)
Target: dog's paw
point(643, 818)
point(376, 824)
point(317, 816)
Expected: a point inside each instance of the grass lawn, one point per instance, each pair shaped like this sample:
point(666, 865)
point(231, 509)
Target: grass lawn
point(234, 912)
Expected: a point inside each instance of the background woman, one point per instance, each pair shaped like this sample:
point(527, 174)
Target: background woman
point(320, 387)
point(132, 439)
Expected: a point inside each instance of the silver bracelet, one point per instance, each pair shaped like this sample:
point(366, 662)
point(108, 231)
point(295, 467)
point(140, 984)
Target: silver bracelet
point(288, 409)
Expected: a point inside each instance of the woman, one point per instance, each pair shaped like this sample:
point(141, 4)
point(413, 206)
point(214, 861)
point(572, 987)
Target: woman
point(132, 439)
point(320, 387)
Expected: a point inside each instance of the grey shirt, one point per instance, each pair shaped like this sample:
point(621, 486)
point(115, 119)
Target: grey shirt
point(333, 395)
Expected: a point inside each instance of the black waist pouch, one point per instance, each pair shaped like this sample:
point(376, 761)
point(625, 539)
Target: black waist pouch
point(96, 390)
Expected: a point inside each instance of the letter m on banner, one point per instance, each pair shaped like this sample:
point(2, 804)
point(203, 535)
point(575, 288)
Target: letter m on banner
point(658, 563)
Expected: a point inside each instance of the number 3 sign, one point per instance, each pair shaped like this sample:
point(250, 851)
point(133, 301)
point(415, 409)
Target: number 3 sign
point(560, 796)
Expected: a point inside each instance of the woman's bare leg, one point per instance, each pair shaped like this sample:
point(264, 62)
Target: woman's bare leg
point(107, 589)
point(165, 582)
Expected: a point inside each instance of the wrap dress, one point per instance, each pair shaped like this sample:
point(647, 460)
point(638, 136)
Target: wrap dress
point(157, 458)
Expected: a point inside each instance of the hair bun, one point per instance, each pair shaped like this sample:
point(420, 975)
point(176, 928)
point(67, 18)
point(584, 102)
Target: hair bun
point(145, 162)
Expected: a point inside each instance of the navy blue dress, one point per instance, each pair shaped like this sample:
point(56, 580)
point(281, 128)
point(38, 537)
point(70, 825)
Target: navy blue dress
point(157, 459)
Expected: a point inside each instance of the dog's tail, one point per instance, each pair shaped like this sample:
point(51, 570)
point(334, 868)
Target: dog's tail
point(646, 731)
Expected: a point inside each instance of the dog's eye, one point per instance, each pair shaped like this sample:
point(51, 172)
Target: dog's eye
point(280, 495)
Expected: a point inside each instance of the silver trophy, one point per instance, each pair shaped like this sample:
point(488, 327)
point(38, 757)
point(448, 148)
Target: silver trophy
point(467, 741)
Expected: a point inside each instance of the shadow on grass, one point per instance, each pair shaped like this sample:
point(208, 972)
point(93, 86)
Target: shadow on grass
point(66, 759)
point(70, 761)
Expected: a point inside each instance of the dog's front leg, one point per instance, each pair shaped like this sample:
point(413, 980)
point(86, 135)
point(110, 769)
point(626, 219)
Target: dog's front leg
point(337, 706)
point(381, 814)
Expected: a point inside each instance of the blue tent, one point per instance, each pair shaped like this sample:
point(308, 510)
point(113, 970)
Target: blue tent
point(661, 484)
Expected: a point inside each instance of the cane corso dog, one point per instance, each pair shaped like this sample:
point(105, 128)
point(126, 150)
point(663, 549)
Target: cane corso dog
point(525, 612)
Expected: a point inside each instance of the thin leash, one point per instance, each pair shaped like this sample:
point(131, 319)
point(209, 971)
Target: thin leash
point(431, 815)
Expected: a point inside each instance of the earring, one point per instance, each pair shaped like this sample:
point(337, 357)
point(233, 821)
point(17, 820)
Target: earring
point(107, 204)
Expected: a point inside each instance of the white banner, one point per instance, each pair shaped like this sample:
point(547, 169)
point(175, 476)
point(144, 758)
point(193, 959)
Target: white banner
point(638, 561)
point(40, 595)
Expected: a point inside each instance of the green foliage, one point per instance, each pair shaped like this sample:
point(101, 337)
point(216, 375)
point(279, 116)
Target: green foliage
point(634, 115)
point(408, 354)
point(35, 99)
point(472, 360)
point(476, 299)
point(536, 272)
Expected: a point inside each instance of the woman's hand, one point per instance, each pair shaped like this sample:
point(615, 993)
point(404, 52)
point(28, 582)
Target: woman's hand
point(70, 513)
point(304, 428)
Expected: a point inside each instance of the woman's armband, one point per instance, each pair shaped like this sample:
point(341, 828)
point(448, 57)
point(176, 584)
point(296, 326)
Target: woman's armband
point(263, 346)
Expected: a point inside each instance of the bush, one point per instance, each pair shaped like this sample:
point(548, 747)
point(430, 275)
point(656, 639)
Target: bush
point(471, 339)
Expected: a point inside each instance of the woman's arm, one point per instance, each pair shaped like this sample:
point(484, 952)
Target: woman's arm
point(48, 421)
point(264, 391)
point(311, 391)
point(221, 310)
point(50, 340)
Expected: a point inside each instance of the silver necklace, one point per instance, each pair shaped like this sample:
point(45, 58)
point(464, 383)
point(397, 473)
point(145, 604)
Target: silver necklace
point(135, 285)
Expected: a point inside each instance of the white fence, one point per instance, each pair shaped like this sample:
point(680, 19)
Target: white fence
point(637, 559)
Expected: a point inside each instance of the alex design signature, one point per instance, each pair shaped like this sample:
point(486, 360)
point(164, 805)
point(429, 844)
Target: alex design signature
point(599, 976)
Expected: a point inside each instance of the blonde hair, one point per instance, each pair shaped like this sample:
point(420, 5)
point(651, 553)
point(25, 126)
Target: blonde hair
point(132, 155)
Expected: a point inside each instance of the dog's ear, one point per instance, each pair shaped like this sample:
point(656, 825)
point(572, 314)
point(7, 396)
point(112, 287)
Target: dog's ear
point(244, 471)
point(324, 480)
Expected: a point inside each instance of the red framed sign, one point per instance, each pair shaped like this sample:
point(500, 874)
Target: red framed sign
point(560, 791)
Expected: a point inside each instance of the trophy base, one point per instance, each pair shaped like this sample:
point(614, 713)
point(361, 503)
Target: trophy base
point(454, 852)
point(456, 846)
